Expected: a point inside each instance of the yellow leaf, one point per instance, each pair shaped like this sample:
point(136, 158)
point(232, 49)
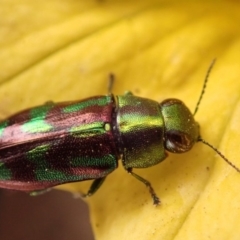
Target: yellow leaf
point(65, 50)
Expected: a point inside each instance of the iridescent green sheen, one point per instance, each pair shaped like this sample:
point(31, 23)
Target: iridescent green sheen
point(6, 173)
point(36, 126)
point(87, 130)
point(41, 111)
point(43, 170)
point(105, 161)
point(37, 154)
point(50, 175)
point(180, 118)
point(181, 130)
point(88, 103)
point(140, 124)
point(37, 123)
point(3, 125)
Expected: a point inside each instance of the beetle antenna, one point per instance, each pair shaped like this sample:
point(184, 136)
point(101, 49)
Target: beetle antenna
point(204, 86)
point(219, 153)
point(110, 83)
point(196, 109)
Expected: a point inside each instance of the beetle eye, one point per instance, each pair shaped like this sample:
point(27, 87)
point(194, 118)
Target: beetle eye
point(177, 142)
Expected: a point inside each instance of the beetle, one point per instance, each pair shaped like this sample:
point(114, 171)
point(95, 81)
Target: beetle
point(57, 143)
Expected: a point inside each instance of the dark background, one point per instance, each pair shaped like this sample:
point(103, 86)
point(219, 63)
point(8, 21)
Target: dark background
point(54, 215)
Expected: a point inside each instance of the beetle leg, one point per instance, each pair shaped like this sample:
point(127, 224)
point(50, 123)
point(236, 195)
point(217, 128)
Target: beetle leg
point(156, 200)
point(94, 187)
point(110, 83)
point(39, 192)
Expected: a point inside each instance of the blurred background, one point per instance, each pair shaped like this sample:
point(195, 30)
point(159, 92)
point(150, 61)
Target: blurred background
point(54, 215)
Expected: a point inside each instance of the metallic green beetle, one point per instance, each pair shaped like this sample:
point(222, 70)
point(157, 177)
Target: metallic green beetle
point(58, 143)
